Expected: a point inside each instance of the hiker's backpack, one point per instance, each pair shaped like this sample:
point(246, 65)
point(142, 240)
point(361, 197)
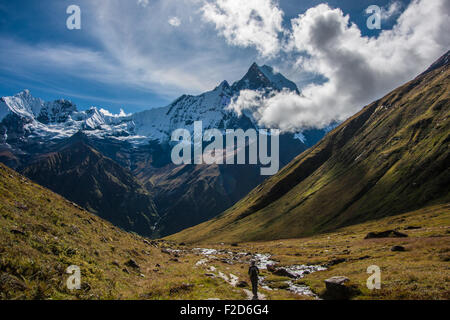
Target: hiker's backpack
point(253, 272)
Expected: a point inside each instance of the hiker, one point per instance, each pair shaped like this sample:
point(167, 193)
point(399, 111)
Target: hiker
point(253, 272)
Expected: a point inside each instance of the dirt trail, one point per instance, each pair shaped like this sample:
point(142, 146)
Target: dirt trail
point(233, 280)
point(250, 295)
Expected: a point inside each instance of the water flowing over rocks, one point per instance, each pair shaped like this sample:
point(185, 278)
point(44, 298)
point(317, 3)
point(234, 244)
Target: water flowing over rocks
point(263, 262)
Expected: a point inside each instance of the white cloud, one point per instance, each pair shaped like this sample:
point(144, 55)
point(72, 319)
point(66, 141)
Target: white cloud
point(358, 69)
point(285, 110)
point(390, 10)
point(119, 115)
point(138, 50)
point(153, 57)
point(247, 23)
point(142, 3)
point(174, 21)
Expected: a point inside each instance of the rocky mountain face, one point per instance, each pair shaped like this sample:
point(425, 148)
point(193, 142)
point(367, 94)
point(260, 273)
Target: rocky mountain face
point(83, 175)
point(391, 157)
point(36, 137)
point(263, 78)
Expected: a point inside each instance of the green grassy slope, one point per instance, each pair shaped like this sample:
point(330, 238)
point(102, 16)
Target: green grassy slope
point(41, 234)
point(390, 158)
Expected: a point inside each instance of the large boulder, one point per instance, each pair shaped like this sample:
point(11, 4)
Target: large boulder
point(131, 263)
point(386, 234)
point(242, 284)
point(282, 272)
point(398, 248)
point(339, 288)
point(166, 251)
point(335, 262)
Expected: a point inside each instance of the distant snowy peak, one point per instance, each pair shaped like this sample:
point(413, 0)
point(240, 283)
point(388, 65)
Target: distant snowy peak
point(26, 106)
point(209, 107)
point(278, 79)
point(23, 117)
point(56, 112)
point(223, 86)
point(22, 104)
point(263, 78)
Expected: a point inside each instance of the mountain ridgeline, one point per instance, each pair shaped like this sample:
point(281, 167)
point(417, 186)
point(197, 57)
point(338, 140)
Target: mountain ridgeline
point(119, 166)
point(390, 158)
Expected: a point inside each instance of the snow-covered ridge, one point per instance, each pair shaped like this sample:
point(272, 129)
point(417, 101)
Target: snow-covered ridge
point(61, 119)
point(209, 107)
point(278, 79)
point(22, 104)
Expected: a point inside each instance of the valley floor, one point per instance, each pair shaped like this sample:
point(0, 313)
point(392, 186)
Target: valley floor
point(422, 271)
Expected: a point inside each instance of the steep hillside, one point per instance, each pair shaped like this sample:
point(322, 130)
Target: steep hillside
point(42, 234)
point(83, 175)
point(390, 158)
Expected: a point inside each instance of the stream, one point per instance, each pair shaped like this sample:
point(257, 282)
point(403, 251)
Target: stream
point(263, 262)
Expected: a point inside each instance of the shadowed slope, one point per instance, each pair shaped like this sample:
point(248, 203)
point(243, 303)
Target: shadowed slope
point(97, 183)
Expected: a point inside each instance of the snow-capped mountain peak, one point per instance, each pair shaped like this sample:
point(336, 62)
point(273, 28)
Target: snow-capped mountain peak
point(263, 78)
point(223, 85)
point(59, 119)
point(22, 104)
point(56, 112)
point(278, 79)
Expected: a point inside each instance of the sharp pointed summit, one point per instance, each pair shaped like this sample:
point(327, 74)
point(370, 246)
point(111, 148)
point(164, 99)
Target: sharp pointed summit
point(223, 85)
point(264, 78)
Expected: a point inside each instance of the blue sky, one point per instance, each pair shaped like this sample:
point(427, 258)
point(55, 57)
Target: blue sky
point(127, 54)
